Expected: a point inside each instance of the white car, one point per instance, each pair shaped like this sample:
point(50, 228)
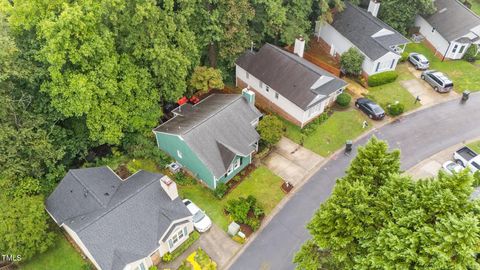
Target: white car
point(451, 167)
point(201, 221)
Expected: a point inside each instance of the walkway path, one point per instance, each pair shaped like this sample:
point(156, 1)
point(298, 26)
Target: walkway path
point(418, 135)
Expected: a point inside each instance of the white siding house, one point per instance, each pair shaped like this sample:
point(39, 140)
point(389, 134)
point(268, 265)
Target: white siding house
point(451, 30)
point(287, 84)
point(354, 27)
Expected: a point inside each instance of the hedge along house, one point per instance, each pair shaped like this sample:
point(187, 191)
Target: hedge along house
point(451, 30)
point(286, 83)
point(355, 27)
point(215, 138)
point(120, 224)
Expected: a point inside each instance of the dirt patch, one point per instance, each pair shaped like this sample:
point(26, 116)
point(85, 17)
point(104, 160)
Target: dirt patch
point(286, 188)
point(247, 230)
point(123, 172)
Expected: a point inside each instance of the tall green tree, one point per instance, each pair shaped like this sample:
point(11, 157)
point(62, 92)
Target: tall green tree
point(107, 61)
point(378, 219)
point(401, 14)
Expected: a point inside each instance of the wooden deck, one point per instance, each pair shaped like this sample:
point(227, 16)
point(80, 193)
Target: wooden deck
point(317, 55)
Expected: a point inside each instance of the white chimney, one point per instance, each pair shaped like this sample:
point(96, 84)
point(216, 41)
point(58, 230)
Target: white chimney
point(170, 187)
point(374, 7)
point(299, 46)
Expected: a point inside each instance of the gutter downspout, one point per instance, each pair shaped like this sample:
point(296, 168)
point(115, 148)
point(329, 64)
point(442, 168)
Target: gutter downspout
point(448, 48)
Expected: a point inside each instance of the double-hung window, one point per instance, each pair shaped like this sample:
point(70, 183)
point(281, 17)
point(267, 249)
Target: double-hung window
point(177, 237)
point(260, 83)
point(455, 47)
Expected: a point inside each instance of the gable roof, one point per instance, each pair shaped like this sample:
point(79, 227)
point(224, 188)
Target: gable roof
point(293, 77)
point(217, 129)
point(128, 226)
point(368, 33)
point(453, 19)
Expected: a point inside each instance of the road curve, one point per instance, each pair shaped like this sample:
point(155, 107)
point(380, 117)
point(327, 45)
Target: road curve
point(418, 136)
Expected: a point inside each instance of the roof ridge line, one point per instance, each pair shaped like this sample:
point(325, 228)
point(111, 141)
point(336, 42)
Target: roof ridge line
point(374, 19)
point(469, 10)
point(119, 203)
point(87, 188)
point(218, 111)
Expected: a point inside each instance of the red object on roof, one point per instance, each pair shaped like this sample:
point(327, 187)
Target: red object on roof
point(182, 101)
point(194, 100)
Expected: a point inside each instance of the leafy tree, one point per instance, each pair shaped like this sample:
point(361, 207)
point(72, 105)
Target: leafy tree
point(377, 219)
point(271, 129)
point(206, 78)
point(297, 22)
point(351, 61)
point(343, 99)
point(23, 220)
point(270, 17)
point(401, 21)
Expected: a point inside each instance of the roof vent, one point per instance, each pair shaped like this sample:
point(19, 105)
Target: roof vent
point(106, 194)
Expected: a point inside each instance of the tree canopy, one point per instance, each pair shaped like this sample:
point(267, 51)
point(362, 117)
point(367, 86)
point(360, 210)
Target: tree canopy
point(377, 218)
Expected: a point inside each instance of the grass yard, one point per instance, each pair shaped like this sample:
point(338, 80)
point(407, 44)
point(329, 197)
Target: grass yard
point(392, 92)
point(475, 6)
point(261, 183)
point(464, 75)
point(475, 146)
point(62, 256)
point(331, 135)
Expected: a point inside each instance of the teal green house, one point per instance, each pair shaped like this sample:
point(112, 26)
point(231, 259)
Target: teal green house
point(213, 139)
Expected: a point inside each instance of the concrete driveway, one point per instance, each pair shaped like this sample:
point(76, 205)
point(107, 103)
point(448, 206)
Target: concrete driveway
point(430, 167)
point(291, 161)
point(428, 96)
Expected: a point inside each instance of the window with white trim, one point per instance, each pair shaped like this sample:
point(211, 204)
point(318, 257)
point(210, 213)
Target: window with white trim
point(276, 95)
point(177, 237)
point(462, 49)
point(455, 47)
point(267, 88)
point(179, 154)
point(247, 75)
point(237, 163)
point(260, 83)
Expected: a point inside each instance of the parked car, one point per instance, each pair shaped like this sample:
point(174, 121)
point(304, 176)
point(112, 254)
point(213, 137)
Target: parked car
point(467, 158)
point(419, 61)
point(201, 221)
point(370, 108)
point(451, 167)
point(437, 80)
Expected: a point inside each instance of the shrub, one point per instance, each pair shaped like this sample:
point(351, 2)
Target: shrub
point(271, 129)
point(395, 109)
point(343, 99)
point(312, 126)
point(141, 146)
point(351, 61)
point(238, 239)
point(382, 78)
point(238, 209)
point(183, 179)
point(220, 191)
point(470, 54)
point(404, 57)
point(167, 257)
point(476, 179)
point(185, 245)
point(253, 223)
point(153, 268)
point(206, 78)
point(258, 211)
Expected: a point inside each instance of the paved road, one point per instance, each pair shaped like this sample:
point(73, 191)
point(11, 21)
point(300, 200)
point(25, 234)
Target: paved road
point(419, 136)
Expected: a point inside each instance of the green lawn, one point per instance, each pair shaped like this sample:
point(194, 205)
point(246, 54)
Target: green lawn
point(392, 92)
point(464, 75)
point(475, 146)
point(331, 135)
point(475, 6)
point(62, 256)
point(261, 183)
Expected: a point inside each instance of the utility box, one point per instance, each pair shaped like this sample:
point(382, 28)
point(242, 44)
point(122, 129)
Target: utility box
point(233, 229)
point(348, 146)
point(465, 95)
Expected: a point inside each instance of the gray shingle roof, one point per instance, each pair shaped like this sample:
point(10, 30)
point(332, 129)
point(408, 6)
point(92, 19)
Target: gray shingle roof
point(358, 26)
point(128, 226)
point(290, 75)
point(216, 129)
point(452, 19)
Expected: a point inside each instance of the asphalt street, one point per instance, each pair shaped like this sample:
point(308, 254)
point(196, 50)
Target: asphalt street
point(418, 136)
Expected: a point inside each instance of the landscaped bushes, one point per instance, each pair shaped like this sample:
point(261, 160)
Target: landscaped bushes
point(221, 190)
point(312, 126)
point(168, 257)
point(395, 109)
point(470, 54)
point(245, 211)
point(343, 99)
point(382, 78)
point(404, 57)
point(271, 130)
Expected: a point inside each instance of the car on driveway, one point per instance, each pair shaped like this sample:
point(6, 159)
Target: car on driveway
point(451, 167)
point(201, 221)
point(370, 108)
point(467, 158)
point(419, 61)
point(439, 81)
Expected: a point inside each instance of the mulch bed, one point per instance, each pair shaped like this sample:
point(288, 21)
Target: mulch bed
point(247, 230)
point(123, 172)
point(286, 189)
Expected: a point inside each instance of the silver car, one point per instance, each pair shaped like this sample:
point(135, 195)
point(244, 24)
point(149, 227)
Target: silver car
point(419, 61)
point(437, 80)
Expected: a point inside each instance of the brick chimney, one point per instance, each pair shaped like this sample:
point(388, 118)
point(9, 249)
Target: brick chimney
point(170, 187)
point(299, 46)
point(374, 7)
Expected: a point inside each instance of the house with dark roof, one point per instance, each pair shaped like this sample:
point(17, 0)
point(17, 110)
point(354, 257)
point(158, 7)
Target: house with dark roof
point(355, 27)
point(120, 224)
point(213, 139)
point(286, 83)
point(451, 30)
